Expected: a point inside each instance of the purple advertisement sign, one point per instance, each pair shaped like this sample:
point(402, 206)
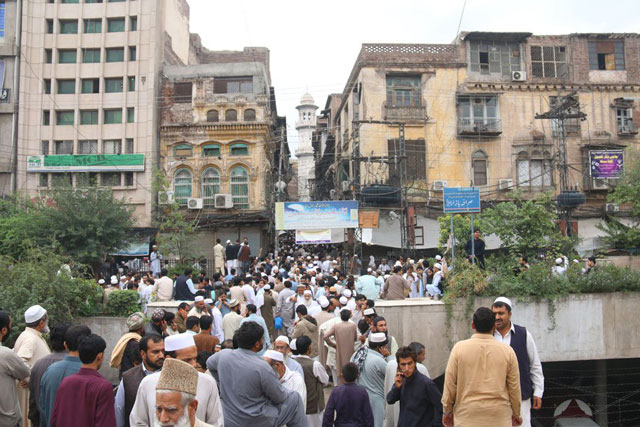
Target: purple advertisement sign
point(606, 164)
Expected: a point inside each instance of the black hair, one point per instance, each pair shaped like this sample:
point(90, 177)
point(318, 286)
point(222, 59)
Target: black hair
point(397, 269)
point(192, 321)
point(501, 304)
point(217, 240)
point(56, 337)
point(202, 357)
point(248, 335)
point(169, 316)
point(360, 297)
point(132, 352)
point(483, 320)
point(205, 322)
point(183, 306)
point(251, 308)
point(416, 346)
point(74, 334)
point(592, 259)
point(405, 352)
point(524, 258)
point(187, 271)
point(363, 326)
point(345, 314)
point(288, 284)
point(371, 303)
point(164, 272)
point(350, 372)
point(378, 319)
point(143, 344)
point(89, 348)
point(302, 344)
point(302, 309)
point(227, 344)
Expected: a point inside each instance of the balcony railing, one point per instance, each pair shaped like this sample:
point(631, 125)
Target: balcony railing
point(405, 113)
point(626, 127)
point(473, 127)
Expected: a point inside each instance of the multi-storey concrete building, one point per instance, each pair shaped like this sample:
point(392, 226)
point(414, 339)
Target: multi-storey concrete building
point(89, 93)
point(221, 142)
point(467, 112)
point(9, 73)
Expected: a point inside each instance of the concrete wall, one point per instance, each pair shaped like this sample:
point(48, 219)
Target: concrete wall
point(585, 326)
point(111, 329)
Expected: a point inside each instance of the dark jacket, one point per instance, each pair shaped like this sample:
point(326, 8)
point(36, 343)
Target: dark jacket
point(419, 402)
point(350, 404)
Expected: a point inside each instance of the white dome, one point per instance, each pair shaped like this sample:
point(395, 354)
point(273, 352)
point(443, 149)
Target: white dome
point(307, 99)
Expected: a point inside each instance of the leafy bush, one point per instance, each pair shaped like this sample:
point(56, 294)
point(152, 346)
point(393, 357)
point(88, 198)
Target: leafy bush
point(37, 279)
point(179, 269)
point(122, 303)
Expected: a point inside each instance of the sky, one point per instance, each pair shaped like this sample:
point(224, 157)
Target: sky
point(314, 46)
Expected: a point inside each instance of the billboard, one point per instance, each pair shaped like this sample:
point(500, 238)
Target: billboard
point(86, 163)
point(606, 164)
point(316, 215)
point(369, 218)
point(461, 200)
point(313, 237)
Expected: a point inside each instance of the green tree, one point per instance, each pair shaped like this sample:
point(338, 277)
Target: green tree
point(461, 231)
point(526, 227)
point(175, 232)
point(86, 224)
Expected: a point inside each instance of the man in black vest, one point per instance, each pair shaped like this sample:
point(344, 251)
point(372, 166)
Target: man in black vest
point(185, 291)
point(152, 352)
point(531, 377)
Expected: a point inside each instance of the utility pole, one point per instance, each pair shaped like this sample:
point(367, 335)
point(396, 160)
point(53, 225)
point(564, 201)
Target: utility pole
point(279, 190)
point(566, 107)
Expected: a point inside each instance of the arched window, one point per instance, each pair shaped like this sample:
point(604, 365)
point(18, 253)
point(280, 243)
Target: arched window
point(183, 150)
point(249, 115)
point(182, 186)
point(212, 116)
point(210, 186)
point(240, 187)
point(239, 150)
point(231, 116)
point(480, 176)
point(210, 150)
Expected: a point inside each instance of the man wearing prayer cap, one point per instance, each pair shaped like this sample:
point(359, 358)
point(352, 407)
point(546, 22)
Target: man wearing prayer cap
point(291, 380)
point(179, 347)
point(281, 344)
point(176, 401)
point(12, 368)
point(199, 307)
point(251, 393)
point(31, 347)
point(121, 356)
point(307, 300)
point(522, 343)
point(372, 363)
point(231, 322)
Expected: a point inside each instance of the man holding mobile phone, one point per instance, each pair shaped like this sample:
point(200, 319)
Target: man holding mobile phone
point(419, 397)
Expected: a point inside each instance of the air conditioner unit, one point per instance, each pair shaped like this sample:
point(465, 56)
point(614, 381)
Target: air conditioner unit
point(518, 76)
point(223, 201)
point(612, 207)
point(193, 203)
point(505, 184)
point(438, 185)
point(165, 197)
point(345, 185)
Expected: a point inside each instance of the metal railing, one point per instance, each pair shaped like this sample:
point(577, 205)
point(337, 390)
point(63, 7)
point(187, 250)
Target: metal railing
point(480, 126)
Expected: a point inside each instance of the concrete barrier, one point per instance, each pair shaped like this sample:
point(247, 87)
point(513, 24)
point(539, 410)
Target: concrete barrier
point(111, 329)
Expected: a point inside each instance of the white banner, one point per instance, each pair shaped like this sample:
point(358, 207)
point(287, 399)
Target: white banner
point(313, 237)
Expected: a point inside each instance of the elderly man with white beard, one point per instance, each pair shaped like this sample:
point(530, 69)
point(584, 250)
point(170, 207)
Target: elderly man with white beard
point(176, 402)
point(289, 379)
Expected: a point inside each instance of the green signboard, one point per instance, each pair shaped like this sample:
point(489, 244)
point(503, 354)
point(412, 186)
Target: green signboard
point(86, 163)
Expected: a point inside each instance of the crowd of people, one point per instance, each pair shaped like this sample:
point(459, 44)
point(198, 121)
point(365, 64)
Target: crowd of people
point(261, 342)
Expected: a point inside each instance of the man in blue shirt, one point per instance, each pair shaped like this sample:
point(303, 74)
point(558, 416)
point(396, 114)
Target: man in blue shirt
point(252, 316)
point(55, 373)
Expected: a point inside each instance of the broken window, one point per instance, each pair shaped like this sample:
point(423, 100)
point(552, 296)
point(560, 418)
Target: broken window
point(403, 91)
point(494, 57)
point(182, 92)
point(606, 55)
point(549, 61)
point(233, 85)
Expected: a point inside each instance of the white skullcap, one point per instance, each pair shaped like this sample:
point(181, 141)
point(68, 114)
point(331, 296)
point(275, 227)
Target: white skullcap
point(266, 287)
point(386, 276)
point(397, 264)
point(283, 339)
point(558, 261)
point(114, 280)
point(438, 257)
point(577, 261)
point(343, 300)
point(101, 282)
point(292, 345)
point(307, 292)
point(274, 355)
point(369, 312)
point(346, 293)
point(331, 270)
point(378, 337)
point(178, 342)
point(369, 270)
point(309, 257)
point(437, 265)
point(208, 301)
point(228, 241)
point(323, 301)
point(504, 300)
point(123, 277)
point(274, 270)
point(34, 313)
point(199, 298)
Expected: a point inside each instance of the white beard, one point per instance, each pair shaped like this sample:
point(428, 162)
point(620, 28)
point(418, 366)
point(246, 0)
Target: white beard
point(182, 422)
